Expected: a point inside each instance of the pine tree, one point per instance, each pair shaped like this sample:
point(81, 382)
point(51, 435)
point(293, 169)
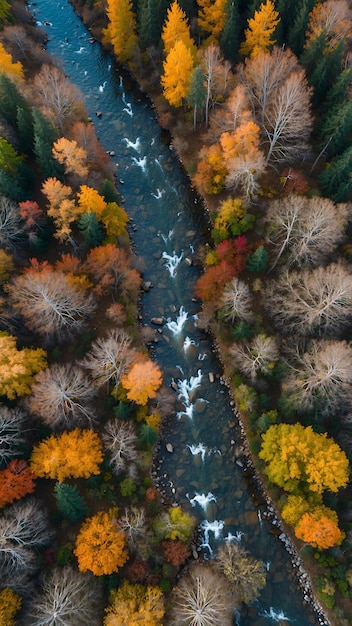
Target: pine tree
point(24, 123)
point(90, 229)
point(296, 35)
point(10, 99)
point(121, 30)
point(176, 28)
point(229, 38)
point(337, 126)
point(149, 26)
point(287, 10)
point(197, 93)
point(69, 503)
point(337, 92)
point(211, 18)
point(44, 136)
point(323, 75)
point(260, 30)
point(178, 68)
point(336, 178)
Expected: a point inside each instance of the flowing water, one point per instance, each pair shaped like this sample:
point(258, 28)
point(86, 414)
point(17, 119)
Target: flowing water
point(168, 226)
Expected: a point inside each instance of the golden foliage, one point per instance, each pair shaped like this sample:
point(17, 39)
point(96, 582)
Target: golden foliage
point(18, 367)
point(135, 605)
point(175, 29)
point(178, 69)
point(142, 381)
point(6, 64)
point(10, 604)
point(260, 29)
point(90, 201)
point(100, 544)
point(320, 528)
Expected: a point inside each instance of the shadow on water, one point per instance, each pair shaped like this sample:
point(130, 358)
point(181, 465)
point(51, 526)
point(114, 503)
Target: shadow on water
point(169, 226)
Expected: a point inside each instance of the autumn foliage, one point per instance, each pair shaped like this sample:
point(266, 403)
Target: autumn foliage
point(134, 605)
point(175, 552)
point(16, 481)
point(18, 367)
point(10, 604)
point(320, 529)
point(142, 381)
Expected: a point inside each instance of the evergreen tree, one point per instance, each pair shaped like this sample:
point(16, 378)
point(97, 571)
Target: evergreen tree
point(69, 503)
point(24, 122)
point(10, 99)
point(296, 34)
point(287, 12)
point(337, 92)
point(322, 77)
point(252, 7)
point(337, 125)
point(313, 53)
point(229, 38)
point(90, 229)
point(149, 26)
point(197, 93)
point(258, 260)
point(44, 136)
point(108, 191)
point(336, 178)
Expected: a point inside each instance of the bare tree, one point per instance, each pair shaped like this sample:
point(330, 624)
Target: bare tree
point(308, 229)
point(201, 598)
point(236, 301)
point(66, 597)
point(244, 172)
point(280, 96)
point(109, 357)
point(258, 356)
point(236, 110)
point(23, 530)
point(12, 227)
point(217, 74)
point(332, 17)
point(50, 304)
point(321, 377)
point(134, 524)
point(57, 97)
point(317, 301)
point(120, 439)
point(11, 432)
point(62, 397)
point(246, 574)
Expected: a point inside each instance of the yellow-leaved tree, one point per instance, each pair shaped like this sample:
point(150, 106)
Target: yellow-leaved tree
point(178, 69)
point(74, 454)
point(100, 544)
point(90, 201)
point(175, 29)
point(69, 154)
point(142, 381)
point(121, 30)
point(7, 65)
point(211, 18)
point(18, 367)
point(10, 604)
point(260, 29)
point(135, 605)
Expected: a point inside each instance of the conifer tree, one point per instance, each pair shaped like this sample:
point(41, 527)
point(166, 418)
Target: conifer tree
point(121, 30)
point(336, 127)
point(287, 12)
point(229, 38)
point(197, 93)
point(69, 503)
point(175, 29)
point(178, 69)
point(338, 89)
point(260, 30)
point(211, 18)
point(44, 136)
point(10, 98)
point(296, 35)
point(149, 26)
point(336, 178)
point(24, 123)
point(90, 229)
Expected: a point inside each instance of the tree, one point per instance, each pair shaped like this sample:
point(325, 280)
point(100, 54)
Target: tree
point(231, 218)
point(135, 527)
point(246, 574)
point(115, 220)
point(74, 454)
point(16, 481)
point(176, 29)
point(321, 378)
point(178, 69)
point(69, 503)
point(44, 135)
point(211, 171)
point(24, 529)
point(280, 97)
point(62, 397)
point(9, 159)
point(149, 26)
point(65, 597)
point(257, 357)
point(142, 381)
point(12, 423)
point(336, 177)
point(298, 27)
point(121, 29)
point(71, 156)
point(215, 70)
point(7, 65)
point(260, 30)
point(62, 207)
point(175, 552)
point(174, 524)
point(320, 529)
point(135, 604)
point(5, 10)
point(10, 604)
point(300, 460)
point(110, 357)
point(244, 161)
point(100, 544)
point(10, 98)
point(201, 598)
point(211, 18)
point(229, 37)
point(311, 302)
point(90, 200)
point(18, 367)
point(236, 301)
point(58, 99)
point(120, 440)
point(50, 303)
point(98, 161)
point(90, 229)
point(335, 127)
point(110, 267)
point(331, 17)
point(12, 227)
point(196, 96)
point(305, 230)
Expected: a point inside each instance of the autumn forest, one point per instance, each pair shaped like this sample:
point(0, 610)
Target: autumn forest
point(257, 98)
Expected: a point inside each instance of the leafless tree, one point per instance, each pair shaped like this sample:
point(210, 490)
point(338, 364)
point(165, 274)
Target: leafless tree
point(246, 574)
point(258, 356)
point(62, 397)
point(120, 440)
point(332, 17)
point(244, 172)
point(66, 597)
point(321, 377)
point(50, 304)
point(16, 37)
point(134, 524)
point(234, 111)
point(217, 74)
point(12, 422)
point(307, 229)
point(109, 357)
point(23, 530)
point(57, 97)
point(236, 301)
point(201, 598)
point(312, 302)
point(12, 227)
point(280, 97)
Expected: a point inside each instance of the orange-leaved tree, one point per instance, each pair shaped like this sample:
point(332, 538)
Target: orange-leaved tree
point(320, 528)
point(178, 70)
point(16, 481)
point(18, 367)
point(110, 268)
point(134, 605)
point(142, 381)
point(100, 544)
point(74, 454)
point(260, 29)
point(121, 30)
point(10, 604)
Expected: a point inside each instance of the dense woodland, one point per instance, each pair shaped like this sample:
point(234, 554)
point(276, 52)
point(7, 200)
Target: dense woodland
point(257, 97)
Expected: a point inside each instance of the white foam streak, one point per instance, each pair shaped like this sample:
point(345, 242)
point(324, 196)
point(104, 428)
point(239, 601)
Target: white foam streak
point(133, 144)
point(172, 262)
point(177, 326)
point(198, 448)
point(275, 615)
point(202, 499)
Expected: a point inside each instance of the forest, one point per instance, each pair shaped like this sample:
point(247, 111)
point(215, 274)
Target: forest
point(257, 99)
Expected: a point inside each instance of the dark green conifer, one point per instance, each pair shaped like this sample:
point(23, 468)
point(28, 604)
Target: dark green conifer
point(296, 33)
point(336, 127)
point(197, 93)
point(149, 25)
point(229, 38)
point(10, 99)
point(24, 123)
point(90, 229)
point(69, 503)
point(44, 136)
point(336, 178)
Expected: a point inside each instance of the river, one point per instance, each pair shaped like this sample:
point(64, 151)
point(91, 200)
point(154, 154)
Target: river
point(168, 226)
